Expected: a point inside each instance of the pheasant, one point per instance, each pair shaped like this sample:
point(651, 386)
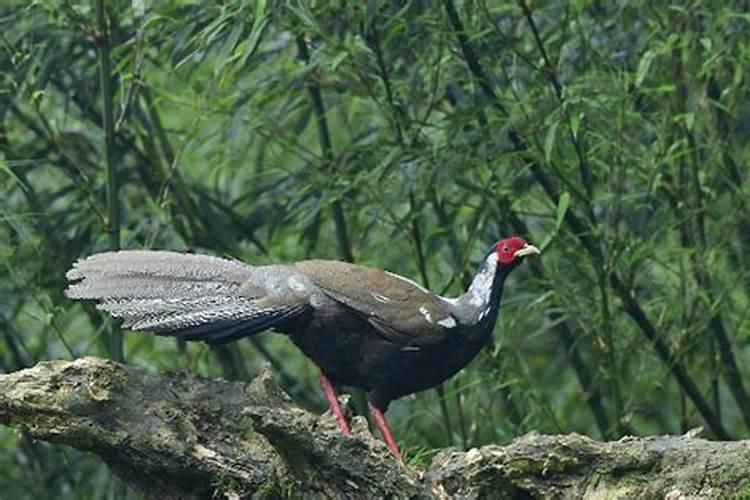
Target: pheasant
point(363, 327)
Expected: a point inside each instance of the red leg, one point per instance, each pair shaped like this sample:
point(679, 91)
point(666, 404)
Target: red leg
point(385, 430)
point(333, 402)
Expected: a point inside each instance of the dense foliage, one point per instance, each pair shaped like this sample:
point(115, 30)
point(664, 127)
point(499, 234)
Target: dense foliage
point(408, 136)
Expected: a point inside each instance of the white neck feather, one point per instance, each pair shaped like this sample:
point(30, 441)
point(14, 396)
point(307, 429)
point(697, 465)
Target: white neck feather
point(474, 305)
point(480, 289)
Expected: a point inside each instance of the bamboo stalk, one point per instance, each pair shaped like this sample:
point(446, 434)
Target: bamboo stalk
point(692, 232)
point(416, 235)
point(549, 70)
point(112, 221)
point(339, 220)
point(579, 228)
point(593, 396)
point(372, 36)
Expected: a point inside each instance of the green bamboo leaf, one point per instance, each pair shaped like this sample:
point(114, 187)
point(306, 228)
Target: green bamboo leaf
point(689, 121)
point(549, 141)
point(643, 67)
point(562, 208)
point(250, 46)
point(575, 124)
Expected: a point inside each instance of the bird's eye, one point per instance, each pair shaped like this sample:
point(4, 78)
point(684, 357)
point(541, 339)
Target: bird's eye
point(506, 248)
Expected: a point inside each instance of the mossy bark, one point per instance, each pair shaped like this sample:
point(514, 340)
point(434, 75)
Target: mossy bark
point(178, 435)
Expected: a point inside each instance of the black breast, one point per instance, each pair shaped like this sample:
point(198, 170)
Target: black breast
point(336, 340)
point(413, 368)
point(351, 352)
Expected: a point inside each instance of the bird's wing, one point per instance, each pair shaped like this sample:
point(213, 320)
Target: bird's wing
point(398, 308)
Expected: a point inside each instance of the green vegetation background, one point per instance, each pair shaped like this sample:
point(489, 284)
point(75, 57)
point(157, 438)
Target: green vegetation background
point(409, 136)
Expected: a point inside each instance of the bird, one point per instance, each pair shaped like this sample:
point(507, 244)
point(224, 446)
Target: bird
point(363, 327)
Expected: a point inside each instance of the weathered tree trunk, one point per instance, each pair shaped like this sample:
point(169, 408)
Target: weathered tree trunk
point(183, 436)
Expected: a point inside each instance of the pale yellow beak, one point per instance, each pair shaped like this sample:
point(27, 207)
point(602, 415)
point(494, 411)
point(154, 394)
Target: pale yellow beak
point(527, 250)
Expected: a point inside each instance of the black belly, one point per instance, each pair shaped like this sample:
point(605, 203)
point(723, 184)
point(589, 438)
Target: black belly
point(353, 353)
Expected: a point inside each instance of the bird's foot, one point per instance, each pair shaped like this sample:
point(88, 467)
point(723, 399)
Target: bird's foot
point(333, 402)
point(382, 423)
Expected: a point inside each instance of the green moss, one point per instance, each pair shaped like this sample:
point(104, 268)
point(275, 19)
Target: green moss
point(248, 433)
point(279, 488)
point(525, 467)
point(521, 467)
point(419, 458)
point(225, 484)
point(743, 493)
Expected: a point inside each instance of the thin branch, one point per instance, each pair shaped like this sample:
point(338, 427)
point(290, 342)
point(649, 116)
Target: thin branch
point(342, 233)
point(634, 310)
point(443, 402)
point(549, 70)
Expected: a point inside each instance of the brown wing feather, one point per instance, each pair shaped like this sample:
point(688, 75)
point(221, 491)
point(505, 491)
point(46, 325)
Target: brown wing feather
point(399, 308)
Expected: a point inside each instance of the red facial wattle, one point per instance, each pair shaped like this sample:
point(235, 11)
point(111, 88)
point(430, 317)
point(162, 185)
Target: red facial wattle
point(510, 249)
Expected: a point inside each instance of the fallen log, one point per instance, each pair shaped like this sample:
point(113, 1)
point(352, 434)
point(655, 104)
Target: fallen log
point(178, 435)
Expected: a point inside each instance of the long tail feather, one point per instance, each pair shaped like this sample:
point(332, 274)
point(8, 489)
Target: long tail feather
point(230, 331)
point(196, 297)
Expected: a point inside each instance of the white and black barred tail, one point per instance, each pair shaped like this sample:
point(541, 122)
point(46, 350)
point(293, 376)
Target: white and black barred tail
point(194, 297)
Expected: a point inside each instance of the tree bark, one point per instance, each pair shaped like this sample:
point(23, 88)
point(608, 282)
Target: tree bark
point(177, 435)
